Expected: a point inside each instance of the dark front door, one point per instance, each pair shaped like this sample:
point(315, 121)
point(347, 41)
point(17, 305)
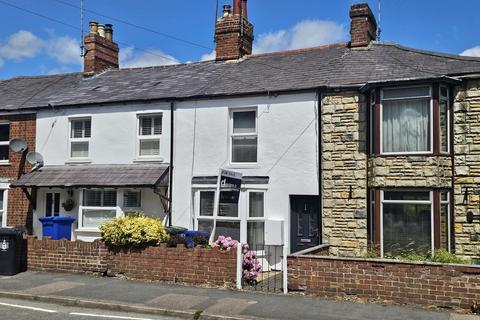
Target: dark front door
point(305, 222)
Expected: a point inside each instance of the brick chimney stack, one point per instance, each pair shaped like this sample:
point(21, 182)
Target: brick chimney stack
point(233, 32)
point(101, 53)
point(363, 26)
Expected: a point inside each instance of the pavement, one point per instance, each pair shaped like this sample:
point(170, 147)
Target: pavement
point(175, 301)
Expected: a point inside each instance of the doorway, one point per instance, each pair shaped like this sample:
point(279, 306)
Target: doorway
point(305, 222)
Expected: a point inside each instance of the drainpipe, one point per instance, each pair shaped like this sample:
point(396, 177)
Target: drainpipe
point(320, 159)
point(170, 172)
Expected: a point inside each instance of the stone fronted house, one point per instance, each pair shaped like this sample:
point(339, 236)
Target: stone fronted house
point(362, 144)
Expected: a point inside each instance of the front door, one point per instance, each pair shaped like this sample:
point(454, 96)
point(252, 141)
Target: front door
point(52, 204)
point(304, 222)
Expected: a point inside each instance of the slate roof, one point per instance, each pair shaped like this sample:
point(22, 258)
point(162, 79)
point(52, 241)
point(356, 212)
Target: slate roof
point(326, 66)
point(133, 175)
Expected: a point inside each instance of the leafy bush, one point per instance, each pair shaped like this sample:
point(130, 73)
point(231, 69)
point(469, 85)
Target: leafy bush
point(444, 256)
point(441, 256)
point(133, 231)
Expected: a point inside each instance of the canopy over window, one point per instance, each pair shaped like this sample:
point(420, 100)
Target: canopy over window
point(68, 176)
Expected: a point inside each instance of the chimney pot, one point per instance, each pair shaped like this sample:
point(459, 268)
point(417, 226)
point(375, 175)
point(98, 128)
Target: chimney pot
point(93, 27)
point(227, 10)
point(101, 30)
point(363, 26)
point(109, 32)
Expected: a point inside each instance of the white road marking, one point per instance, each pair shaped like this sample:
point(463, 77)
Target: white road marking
point(105, 316)
point(27, 307)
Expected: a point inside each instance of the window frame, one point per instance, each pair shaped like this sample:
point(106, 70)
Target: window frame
point(431, 122)
point(4, 208)
point(128, 208)
point(233, 135)
point(151, 137)
point(243, 210)
point(449, 218)
point(81, 207)
point(6, 143)
point(72, 140)
point(447, 100)
point(255, 219)
point(432, 213)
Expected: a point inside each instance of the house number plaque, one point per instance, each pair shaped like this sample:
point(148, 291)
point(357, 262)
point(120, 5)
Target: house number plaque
point(4, 245)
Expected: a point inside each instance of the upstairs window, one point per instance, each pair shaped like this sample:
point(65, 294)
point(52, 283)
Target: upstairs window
point(80, 134)
point(149, 133)
point(244, 138)
point(406, 125)
point(4, 141)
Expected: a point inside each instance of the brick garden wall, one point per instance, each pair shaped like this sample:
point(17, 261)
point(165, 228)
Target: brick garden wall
point(456, 286)
point(192, 266)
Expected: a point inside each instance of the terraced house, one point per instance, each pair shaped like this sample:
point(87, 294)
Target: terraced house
point(363, 144)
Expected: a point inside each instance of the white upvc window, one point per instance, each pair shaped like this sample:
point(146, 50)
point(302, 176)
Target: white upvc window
point(149, 135)
point(3, 207)
point(406, 222)
point(80, 134)
point(241, 215)
point(132, 200)
point(406, 125)
point(97, 207)
point(243, 136)
point(4, 141)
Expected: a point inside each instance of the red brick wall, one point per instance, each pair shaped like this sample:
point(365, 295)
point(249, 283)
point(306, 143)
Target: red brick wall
point(192, 266)
point(440, 285)
point(230, 44)
point(66, 256)
point(19, 212)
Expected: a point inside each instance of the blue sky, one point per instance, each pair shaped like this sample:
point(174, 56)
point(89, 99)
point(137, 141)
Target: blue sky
point(32, 45)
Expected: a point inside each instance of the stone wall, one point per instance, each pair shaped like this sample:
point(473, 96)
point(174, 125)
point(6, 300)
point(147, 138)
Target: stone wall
point(425, 284)
point(467, 167)
point(344, 173)
point(410, 171)
point(193, 266)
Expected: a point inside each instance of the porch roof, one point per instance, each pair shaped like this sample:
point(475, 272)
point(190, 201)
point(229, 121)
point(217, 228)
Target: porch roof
point(68, 176)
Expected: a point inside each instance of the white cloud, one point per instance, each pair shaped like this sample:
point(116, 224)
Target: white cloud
point(21, 44)
point(305, 34)
point(472, 52)
point(208, 56)
point(131, 59)
point(64, 49)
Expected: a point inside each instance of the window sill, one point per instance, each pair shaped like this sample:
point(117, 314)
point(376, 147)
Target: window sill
point(88, 230)
point(5, 164)
point(78, 161)
point(243, 166)
point(155, 160)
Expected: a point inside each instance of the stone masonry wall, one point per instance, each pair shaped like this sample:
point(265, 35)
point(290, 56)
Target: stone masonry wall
point(467, 167)
point(344, 173)
point(410, 171)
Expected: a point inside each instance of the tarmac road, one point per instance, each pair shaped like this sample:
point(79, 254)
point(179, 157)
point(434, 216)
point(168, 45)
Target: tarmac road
point(28, 310)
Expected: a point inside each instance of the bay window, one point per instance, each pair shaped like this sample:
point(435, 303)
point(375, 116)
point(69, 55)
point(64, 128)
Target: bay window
point(409, 221)
point(410, 120)
point(98, 207)
point(241, 215)
point(132, 199)
point(149, 134)
point(80, 134)
point(244, 139)
point(406, 120)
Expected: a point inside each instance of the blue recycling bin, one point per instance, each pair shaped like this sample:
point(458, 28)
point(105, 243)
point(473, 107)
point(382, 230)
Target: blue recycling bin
point(57, 227)
point(191, 234)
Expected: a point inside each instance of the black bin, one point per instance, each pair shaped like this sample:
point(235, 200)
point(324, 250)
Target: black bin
point(13, 252)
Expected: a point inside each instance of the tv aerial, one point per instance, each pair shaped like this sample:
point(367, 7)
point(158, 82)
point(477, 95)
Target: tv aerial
point(18, 145)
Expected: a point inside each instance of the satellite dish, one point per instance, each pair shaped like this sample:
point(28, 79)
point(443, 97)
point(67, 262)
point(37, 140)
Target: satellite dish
point(34, 158)
point(18, 145)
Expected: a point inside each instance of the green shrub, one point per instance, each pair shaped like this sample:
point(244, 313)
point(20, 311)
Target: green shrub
point(444, 256)
point(441, 255)
point(133, 231)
